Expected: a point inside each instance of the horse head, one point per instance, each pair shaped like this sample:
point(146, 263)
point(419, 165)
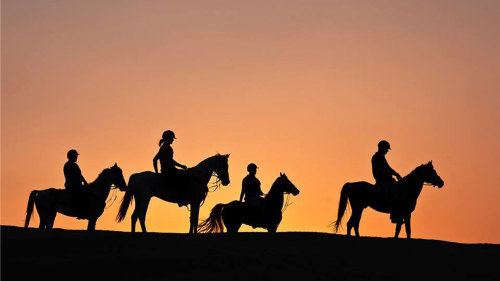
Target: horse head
point(222, 167)
point(117, 178)
point(286, 185)
point(430, 175)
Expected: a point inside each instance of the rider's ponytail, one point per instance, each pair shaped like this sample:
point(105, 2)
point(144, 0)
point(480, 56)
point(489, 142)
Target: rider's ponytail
point(161, 141)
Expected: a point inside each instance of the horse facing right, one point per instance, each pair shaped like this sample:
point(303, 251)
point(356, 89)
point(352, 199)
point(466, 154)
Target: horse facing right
point(51, 201)
point(363, 194)
point(236, 213)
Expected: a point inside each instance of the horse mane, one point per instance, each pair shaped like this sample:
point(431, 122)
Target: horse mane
point(105, 171)
point(207, 160)
point(415, 171)
point(273, 186)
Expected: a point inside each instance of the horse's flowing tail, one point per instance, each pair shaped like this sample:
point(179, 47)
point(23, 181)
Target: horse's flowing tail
point(126, 201)
point(342, 206)
point(214, 222)
point(29, 210)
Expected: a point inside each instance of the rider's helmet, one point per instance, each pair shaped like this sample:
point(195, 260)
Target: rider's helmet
point(72, 154)
point(251, 167)
point(168, 135)
point(383, 144)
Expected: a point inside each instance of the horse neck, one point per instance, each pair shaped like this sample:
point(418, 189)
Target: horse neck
point(101, 186)
point(415, 182)
point(204, 170)
point(275, 198)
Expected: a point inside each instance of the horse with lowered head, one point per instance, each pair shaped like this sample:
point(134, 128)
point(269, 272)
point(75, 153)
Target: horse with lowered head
point(236, 213)
point(363, 194)
point(143, 186)
point(51, 201)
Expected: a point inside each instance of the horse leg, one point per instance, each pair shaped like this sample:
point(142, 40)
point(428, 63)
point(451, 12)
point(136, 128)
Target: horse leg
point(350, 223)
point(408, 226)
point(91, 224)
point(357, 218)
point(354, 220)
point(398, 229)
point(50, 220)
point(272, 229)
point(142, 209)
point(133, 219)
point(195, 211)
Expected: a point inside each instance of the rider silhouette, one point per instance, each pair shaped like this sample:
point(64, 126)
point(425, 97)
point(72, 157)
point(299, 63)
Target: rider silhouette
point(75, 181)
point(383, 174)
point(250, 187)
point(172, 175)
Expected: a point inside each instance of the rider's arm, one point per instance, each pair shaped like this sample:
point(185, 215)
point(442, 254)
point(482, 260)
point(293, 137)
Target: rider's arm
point(242, 190)
point(179, 165)
point(394, 173)
point(155, 162)
point(83, 180)
point(241, 195)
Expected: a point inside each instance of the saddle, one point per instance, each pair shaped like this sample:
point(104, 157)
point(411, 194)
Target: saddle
point(177, 180)
point(254, 209)
point(389, 192)
point(394, 194)
point(79, 198)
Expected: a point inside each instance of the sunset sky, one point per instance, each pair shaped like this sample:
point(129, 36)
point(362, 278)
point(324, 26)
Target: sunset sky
point(302, 87)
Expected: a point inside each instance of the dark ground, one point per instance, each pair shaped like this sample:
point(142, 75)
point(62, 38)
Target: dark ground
point(107, 255)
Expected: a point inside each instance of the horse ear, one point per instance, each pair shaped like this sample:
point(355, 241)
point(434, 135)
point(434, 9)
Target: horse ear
point(227, 155)
point(281, 174)
point(115, 165)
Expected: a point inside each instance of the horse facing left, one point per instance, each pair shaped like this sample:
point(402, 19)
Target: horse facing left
point(51, 201)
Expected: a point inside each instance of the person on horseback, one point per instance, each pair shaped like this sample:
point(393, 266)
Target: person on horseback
point(173, 177)
point(250, 188)
point(74, 180)
point(383, 174)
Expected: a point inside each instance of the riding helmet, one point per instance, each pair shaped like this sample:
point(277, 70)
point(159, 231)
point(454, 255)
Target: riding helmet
point(168, 134)
point(383, 144)
point(251, 166)
point(72, 153)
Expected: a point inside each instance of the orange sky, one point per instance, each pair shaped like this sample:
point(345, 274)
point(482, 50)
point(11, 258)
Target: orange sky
point(302, 87)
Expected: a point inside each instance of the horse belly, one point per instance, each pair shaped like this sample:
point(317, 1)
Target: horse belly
point(169, 195)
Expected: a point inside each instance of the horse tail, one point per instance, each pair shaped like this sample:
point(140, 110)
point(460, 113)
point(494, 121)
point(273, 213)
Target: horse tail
point(126, 201)
point(29, 210)
point(214, 222)
point(342, 206)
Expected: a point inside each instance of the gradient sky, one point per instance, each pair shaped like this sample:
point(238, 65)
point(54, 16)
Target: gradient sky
point(302, 87)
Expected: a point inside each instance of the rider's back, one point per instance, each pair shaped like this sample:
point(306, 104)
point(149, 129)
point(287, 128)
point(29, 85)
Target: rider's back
point(380, 168)
point(72, 174)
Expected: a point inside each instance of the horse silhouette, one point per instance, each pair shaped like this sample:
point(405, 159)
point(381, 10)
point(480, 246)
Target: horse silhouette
point(143, 186)
point(363, 194)
point(236, 213)
point(51, 201)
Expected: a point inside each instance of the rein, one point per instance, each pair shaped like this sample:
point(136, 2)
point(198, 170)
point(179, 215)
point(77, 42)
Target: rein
point(216, 184)
point(287, 203)
point(113, 197)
